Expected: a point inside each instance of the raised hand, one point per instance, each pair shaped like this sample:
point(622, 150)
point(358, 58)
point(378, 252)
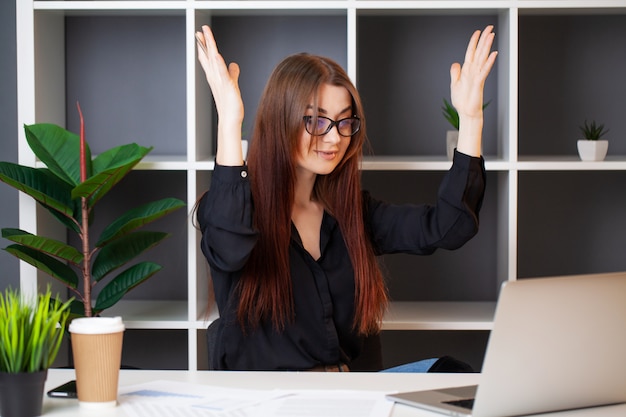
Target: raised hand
point(466, 86)
point(224, 83)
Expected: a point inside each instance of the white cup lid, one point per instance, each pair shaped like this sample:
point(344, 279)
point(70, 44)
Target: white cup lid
point(97, 325)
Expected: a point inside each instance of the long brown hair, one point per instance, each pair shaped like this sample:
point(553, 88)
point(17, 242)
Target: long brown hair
point(265, 286)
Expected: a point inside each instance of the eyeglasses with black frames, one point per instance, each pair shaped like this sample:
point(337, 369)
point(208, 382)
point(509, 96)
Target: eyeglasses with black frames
point(320, 125)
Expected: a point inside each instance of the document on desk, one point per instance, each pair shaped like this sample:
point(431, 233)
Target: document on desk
point(172, 398)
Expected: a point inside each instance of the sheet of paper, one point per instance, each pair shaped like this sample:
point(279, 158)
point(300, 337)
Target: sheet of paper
point(171, 398)
point(327, 403)
point(168, 398)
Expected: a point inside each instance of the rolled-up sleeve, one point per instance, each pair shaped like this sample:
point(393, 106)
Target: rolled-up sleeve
point(421, 229)
point(225, 219)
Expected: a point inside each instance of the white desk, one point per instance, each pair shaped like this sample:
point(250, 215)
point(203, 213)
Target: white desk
point(293, 380)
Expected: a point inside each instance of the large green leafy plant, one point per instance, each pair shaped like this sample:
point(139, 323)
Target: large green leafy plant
point(69, 188)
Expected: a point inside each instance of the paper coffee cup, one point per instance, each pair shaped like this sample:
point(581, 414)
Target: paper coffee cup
point(97, 352)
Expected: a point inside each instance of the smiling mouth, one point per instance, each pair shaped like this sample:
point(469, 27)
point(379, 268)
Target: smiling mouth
point(327, 155)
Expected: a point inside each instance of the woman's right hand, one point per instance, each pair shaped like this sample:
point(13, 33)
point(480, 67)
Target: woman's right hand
point(224, 83)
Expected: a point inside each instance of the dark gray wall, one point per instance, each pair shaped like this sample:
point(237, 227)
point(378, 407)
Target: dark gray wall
point(141, 98)
point(9, 267)
point(247, 41)
point(404, 118)
point(571, 69)
point(571, 223)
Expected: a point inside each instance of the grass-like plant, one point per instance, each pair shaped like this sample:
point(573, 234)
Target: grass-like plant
point(69, 188)
point(31, 331)
point(593, 131)
point(451, 115)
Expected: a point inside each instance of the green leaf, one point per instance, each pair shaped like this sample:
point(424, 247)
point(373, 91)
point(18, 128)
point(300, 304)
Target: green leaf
point(45, 263)
point(14, 328)
point(59, 149)
point(122, 250)
point(31, 331)
point(592, 131)
point(119, 156)
point(40, 185)
point(43, 244)
point(70, 222)
point(450, 114)
point(109, 168)
point(123, 283)
point(54, 319)
point(77, 309)
point(138, 217)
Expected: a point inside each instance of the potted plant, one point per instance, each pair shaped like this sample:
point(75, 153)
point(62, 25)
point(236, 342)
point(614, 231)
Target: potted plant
point(592, 148)
point(69, 188)
point(452, 136)
point(30, 336)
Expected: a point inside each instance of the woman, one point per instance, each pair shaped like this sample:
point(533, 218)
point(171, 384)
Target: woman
point(291, 239)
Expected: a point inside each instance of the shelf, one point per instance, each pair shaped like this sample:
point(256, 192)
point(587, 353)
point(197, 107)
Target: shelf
point(163, 163)
point(371, 6)
point(162, 314)
point(157, 163)
point(411, 163)
point(424, 163)
point(414, 315)
point(572, 7)
point(569, 163)
point(370, 163)
point(402, 315)
point(147, 314)
point(118, 7)
point(231, 7)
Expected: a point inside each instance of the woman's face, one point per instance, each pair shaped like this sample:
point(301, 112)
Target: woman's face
point(321, 154)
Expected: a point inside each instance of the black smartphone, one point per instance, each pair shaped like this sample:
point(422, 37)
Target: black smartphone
point(67, 390)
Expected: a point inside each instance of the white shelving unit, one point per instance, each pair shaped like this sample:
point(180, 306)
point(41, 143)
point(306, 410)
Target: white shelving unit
point(398, 53)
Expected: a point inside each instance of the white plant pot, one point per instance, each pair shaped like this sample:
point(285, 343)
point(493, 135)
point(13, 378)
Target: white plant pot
point(452, 138)
point(592, 150)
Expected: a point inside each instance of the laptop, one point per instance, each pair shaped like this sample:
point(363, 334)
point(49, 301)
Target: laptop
point(557, 343)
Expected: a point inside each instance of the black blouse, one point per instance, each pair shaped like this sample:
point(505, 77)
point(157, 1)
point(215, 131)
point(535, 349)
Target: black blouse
point(323, 290)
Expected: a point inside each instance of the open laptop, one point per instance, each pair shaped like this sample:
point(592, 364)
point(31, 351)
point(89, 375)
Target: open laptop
point(557, 343)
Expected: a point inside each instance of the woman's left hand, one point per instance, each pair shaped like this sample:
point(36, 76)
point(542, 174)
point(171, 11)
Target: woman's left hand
point(467, 81)
point(466, 86)
point(224, 82)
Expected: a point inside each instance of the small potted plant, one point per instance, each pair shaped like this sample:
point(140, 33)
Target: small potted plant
point(452, 136)
point(592, 148)
point(31, 332)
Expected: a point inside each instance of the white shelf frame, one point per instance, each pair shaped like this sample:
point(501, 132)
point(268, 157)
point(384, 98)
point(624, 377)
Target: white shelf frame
point(33, 16)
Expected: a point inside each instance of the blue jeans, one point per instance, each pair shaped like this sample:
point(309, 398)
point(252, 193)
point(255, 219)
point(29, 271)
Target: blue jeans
point(419, 366)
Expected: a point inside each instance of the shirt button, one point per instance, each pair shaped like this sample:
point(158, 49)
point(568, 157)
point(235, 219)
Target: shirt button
point(244, 174)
